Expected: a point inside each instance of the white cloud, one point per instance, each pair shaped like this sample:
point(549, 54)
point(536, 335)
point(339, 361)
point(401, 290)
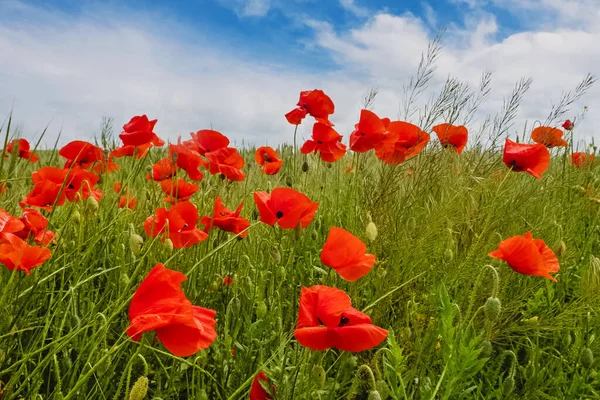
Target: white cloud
point(248, 8)
point(354, 8)
point(73, 70)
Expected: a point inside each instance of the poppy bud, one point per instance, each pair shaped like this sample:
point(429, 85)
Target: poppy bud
point(560, 249)
point(76, 217)
point(567, 340)
point(319, 375)
point(91, 205)
point(104, 364)
point(371, 231)
point(201, 396)
point(508, 386)
point(587, 358)
point(486, 349)
point(281, 273)
point(304, 166)
point(261, 309)
point(139, 389)
point(411, 224)
point(374, 395)
point(275, 255)
point(135, 243)
point(168, 243)
point(492, 309)
point(288, 181)
point(124, 279)
point(448, 255)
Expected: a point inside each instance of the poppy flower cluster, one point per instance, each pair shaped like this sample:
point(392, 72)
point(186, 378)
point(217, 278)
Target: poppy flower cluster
point(393, 141)
point(15, 233)
point(22, 149)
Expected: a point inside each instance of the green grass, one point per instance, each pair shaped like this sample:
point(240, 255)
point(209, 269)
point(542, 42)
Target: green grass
point(437, 216)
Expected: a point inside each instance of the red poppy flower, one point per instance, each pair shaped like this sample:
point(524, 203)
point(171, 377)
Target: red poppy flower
point(127, 202)
point(568, 125)
point(548, 136)
point(327, 320)
point(313, 102)
point(403, 141)
point(580, 159)
point(267, 158)
point(15, 253)
point(34, 225)
point(528, 256)
point(178, 191)
point(22, 147)
point(226, 161)
point(52, 185)
point(163, 169)
point(531, 158)
point(286, 207)
point(86, 156)
point(10, 224)
point(227, 281)
point(177, 224)
point(160, 305)
point(226, 220)
point(369, 131)
point(452, 136)
point(188, 160)
point(258, 392)
point(130, 151)
point(117, 187)
point(326, 141)
point(345, 253)
point(138, 132)
point(207, 141)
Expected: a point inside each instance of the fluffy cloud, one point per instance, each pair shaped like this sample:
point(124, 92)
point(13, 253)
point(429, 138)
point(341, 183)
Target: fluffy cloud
point(71, 70)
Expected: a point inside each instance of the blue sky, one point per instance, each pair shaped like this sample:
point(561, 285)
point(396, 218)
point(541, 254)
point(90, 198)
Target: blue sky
point(238, 65)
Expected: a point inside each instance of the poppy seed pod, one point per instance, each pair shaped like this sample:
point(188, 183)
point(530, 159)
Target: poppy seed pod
point(319, 375)
point(288, 181)
point(139, 389)
point(135, 243)
point(587, 358)
point(492, 309)
point(305, 166)
point(371, 231)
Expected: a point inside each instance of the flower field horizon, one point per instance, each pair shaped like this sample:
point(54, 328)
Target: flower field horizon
point(411, 258)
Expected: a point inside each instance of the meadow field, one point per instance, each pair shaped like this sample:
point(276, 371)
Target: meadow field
point(393, 265)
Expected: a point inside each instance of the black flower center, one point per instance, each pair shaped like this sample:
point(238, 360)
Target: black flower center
point(318, 141)
point(362, 134)
point(279, 214)
point(344, 320)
